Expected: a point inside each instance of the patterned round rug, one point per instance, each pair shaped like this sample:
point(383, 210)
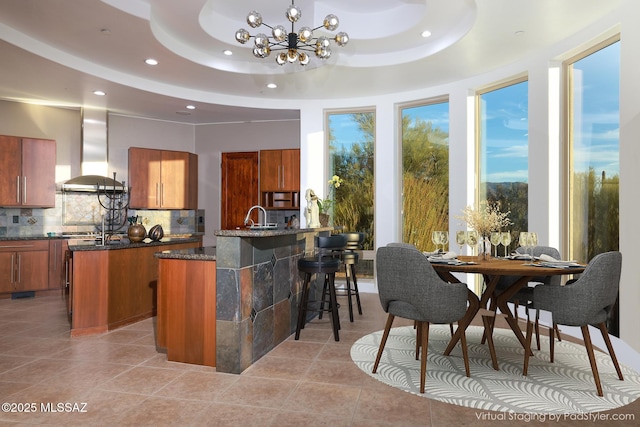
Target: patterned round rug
point(565, 386)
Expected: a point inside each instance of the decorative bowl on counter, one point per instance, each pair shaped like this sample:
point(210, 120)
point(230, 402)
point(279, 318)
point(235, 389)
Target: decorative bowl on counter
point(156, 233)
point(136, 233)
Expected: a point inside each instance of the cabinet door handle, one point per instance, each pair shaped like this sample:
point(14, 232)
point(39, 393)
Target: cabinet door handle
point(19, 269)
point(18, 189)
point(157, 194)
point(282, 177)
point(24, 191)
point(161, 194)
point(13, 269)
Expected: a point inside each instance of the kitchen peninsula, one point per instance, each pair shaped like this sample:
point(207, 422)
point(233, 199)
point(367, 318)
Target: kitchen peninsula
point(257, 289)
point(115, 284)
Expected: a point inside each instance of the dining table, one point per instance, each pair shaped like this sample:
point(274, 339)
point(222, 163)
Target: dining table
point(492, 269)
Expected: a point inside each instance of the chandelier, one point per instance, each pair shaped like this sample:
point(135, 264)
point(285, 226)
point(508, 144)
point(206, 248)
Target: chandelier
point(293, 46)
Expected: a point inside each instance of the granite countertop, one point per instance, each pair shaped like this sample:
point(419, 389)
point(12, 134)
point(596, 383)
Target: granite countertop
point(88, 245)
point(247, 232)
point(205, 253)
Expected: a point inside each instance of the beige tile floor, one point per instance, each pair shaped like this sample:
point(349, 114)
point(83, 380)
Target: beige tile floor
point(124, 381)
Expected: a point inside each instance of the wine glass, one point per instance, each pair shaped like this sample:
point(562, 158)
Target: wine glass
point(495, 241)
point(505, 239)
point(461, 239)
point(444, 239)
point(523, 240)
point(533, 242)
point(472, 239)
point(435, 238)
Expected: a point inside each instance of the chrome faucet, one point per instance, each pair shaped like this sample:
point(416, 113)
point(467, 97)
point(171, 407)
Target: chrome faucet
point(248, 219)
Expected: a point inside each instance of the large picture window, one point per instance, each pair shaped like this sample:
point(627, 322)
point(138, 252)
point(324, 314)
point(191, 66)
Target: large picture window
point(351, 144)
point(503, 152)
point(593, 80)
point(593, 99)
point(425, 172)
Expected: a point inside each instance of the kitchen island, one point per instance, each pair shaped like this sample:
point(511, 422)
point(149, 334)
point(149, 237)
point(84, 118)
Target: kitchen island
point(115, 284)
point(257, 291)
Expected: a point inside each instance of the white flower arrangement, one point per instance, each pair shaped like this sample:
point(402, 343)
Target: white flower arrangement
point(486, 219)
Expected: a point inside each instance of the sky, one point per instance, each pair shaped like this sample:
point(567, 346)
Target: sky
point(505, 137)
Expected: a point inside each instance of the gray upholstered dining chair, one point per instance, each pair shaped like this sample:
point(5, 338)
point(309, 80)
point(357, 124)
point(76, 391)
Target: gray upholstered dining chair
point(409, 287)
point(525, 295)
point(583, 302)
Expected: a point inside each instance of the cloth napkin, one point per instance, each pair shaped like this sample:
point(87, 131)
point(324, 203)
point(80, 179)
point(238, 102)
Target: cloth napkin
point(545, 257)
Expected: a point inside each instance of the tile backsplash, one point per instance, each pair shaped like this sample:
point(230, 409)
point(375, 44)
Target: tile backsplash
point(80, 212)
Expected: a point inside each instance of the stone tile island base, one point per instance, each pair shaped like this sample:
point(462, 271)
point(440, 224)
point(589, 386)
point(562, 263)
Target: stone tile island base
point(258, 289)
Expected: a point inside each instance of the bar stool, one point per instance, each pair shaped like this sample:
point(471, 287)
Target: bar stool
point(350, 259)
point(324, 262)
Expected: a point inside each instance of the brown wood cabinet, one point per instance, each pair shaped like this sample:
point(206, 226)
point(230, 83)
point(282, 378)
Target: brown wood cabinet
point(187, 314)
point(163, 179)
point(27, 172)
point(24, 265)
point(280, 178)
point(57, 257)
point(115, 287)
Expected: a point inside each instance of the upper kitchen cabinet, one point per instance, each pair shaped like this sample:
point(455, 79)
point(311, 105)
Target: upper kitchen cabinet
point(27, 172)
point(163, 179)
point(280, 178)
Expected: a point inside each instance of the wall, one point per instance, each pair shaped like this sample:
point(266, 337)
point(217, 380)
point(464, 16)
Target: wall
point(37, 121)
point(213, 140)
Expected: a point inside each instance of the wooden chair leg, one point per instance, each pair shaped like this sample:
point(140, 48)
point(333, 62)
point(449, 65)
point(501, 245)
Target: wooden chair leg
point(592, 358)
point(488, 332)
point(552, 346)
point(607, 341)
point(383, 342)
point(537, 327)
point(418, 326)
point(465, 353)
point(348, 291)
point(424, 337)
point(525, 368)
point(555, 326)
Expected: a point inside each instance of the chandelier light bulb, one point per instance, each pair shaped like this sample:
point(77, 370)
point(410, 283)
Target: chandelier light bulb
point(342, 38)
point(281, 59)
point(279, 33)
point(303, 58)
point(331, 22)
point(242, 36)
point(292, 55)
point(293, 13)
point(305, 34)
point(261, 40)
point(254, 19)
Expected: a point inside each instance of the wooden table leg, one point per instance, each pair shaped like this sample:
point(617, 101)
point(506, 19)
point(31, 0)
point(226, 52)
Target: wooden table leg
point(472, 310)
point(503, 300)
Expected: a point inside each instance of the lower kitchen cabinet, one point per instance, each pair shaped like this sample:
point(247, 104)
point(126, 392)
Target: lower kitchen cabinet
point(115, 286)
point(24, 265)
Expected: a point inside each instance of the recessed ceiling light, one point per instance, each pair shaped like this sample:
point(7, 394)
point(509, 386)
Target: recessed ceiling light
point(227, 52)
point(99, 93)
point(150, 61)
point(272, 85)
point(519, 33)
point(426, 33)
point(191, 107)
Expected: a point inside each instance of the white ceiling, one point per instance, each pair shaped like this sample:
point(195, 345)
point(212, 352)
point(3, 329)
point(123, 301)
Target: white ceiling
point(57, 52)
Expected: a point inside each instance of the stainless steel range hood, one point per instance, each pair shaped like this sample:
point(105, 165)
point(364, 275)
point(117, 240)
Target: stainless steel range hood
point(93, 184)
point(94, 156)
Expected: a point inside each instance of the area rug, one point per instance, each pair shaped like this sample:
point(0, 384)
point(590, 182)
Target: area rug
point(565, 386)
